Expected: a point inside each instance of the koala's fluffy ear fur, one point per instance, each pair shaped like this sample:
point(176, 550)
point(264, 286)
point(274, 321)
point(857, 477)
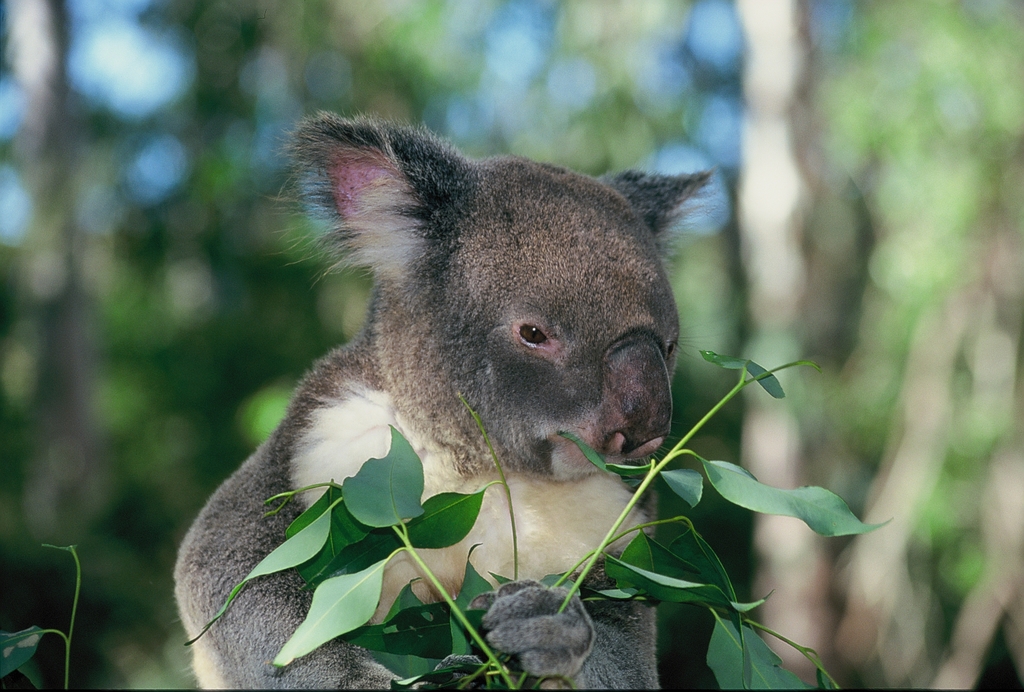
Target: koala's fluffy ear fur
point(658, 199)
point(381, 186)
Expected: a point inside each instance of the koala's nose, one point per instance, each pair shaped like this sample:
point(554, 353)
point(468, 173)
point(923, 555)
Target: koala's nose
point(637, 405)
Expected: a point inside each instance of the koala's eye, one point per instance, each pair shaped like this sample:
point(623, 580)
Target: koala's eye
point(670, 349)
point(532, 335)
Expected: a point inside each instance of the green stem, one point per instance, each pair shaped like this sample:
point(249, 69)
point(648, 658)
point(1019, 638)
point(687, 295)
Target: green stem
point(504, 483)
point(403, 534)
point(288, 495)
point(74, 609)
point(809, 653)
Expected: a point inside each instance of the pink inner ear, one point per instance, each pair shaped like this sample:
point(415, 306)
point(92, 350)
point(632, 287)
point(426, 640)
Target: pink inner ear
point(352, 176)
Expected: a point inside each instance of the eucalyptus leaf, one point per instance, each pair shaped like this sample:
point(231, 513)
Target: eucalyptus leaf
point(405, 665)
point(627, 469)
point(387, 491)
point(662, 587)
point(447, 518)
point(686, 483)
point(731, 658)
point(16, 648)
point(689, 546)
point(592, 456)
point(340, 605)
point(356, 557)
point(770, 383)
point(822, 510)
point(301, 547)
point(422, 630)
point(727, 362)
point(344, 531)
point(330, 495)
point(472, 586)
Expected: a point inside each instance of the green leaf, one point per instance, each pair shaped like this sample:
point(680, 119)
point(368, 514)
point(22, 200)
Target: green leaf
point(295, 550)
point(731, 659)
point(770, 383)
point(727, 362)
point(472, 586)
point(592, 456)
point(340, 605)
point(689, 546)
point(301, 547)
point(686, 483)
point(344, 531)
point(387, 491)
point(16, 648)
point(330, 495)
point(662, 587)
point(447, 519)
point(404, 665)
point(627, 469)
point(638, 552)
point(356, 557)
point(420, 630)
point(822, 510)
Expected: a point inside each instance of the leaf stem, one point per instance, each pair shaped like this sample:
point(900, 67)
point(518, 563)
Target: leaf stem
point(288, 495)
point(403, 534)
point(504, 483)
point(74, 608)
point(809, 653)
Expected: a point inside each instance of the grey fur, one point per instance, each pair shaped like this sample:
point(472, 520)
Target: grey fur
point(483, 251)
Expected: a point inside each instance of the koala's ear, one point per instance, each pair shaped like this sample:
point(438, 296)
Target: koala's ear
point(378, 185)
point(658, 199)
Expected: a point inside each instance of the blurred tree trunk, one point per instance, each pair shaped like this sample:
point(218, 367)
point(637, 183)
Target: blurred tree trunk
point(67, 481)
point(773, 196)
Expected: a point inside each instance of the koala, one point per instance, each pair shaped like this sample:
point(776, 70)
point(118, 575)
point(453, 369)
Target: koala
point(537, 294)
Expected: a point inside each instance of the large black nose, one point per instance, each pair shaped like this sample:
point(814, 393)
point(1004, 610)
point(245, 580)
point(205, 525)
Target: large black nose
point(637, 402)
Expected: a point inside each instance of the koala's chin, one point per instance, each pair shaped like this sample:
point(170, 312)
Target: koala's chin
point(456, 246)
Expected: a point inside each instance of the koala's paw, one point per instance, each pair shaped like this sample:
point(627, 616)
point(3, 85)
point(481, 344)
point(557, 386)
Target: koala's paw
point(523, 620)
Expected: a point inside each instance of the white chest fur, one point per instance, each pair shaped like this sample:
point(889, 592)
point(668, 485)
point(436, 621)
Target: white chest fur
point(557, 522)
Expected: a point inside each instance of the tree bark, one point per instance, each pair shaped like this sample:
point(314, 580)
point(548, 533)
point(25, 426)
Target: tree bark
point(67, 480)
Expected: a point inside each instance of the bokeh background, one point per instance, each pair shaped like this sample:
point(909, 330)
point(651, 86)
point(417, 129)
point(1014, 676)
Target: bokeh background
point(159, 298)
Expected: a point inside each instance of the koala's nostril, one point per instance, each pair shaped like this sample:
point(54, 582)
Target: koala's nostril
point(616, 444)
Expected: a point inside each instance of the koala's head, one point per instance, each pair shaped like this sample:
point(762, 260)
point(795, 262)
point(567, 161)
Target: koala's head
point(536, 293)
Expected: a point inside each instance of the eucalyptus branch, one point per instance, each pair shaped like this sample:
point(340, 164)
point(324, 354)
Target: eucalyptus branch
point(808, 653)
point(403, 534)
point(504, 483)
point(677, 450)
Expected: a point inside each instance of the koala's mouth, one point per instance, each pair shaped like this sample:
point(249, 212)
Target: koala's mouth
point(568, 460)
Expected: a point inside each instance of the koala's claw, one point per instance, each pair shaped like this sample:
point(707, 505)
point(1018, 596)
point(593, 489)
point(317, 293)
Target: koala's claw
point(523, 620)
